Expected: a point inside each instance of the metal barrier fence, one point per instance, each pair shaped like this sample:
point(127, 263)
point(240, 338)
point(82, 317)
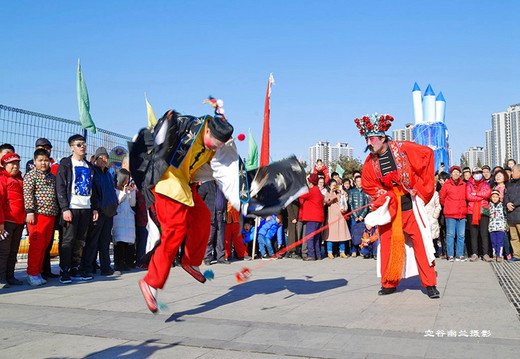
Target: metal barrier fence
point(22, 128)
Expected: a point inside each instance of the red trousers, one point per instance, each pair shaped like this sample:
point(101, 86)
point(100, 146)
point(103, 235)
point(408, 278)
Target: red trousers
point(40, 234)
point(410, 227)
point(233, 233)
point(175, 219)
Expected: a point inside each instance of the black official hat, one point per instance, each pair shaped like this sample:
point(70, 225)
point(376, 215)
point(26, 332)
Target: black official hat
point(220, 128)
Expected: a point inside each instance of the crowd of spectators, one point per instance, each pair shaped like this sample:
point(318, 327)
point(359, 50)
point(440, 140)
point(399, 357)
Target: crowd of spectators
point(473, 215)
point(82, 202)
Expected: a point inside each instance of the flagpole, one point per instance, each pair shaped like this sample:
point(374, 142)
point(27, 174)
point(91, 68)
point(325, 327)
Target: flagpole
point(253, 252)
point(264, 152)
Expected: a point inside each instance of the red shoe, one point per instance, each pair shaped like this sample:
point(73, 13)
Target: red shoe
point(194, 272)
point(149, 298)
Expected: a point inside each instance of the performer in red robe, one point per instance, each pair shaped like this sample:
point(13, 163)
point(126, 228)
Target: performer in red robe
point(399, 176)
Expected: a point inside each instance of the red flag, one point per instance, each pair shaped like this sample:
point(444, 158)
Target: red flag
point(264, 154)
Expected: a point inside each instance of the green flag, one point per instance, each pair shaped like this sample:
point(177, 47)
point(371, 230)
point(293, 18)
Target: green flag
point(252, 156)
point(340, 170)
point(83, 103)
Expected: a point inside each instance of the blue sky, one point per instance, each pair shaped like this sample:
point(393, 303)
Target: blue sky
point(332, 61)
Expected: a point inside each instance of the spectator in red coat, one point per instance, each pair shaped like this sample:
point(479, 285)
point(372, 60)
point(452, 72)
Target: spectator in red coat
point(313, 217)
point(477, 195)
point(5, 148)
point(321, 170)
point(453, 198)
point(12, 217)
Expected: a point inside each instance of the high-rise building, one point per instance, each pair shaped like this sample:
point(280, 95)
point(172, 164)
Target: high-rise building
point(340, 149)
point(319, 151)
point(488, 160)
point(403, 134)
point(329, 153)
point(475, 156)
point(500, 138)
point(514, 119)
point(503, 142)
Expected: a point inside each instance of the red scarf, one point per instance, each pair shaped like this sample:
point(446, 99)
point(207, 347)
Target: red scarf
point(477, 206)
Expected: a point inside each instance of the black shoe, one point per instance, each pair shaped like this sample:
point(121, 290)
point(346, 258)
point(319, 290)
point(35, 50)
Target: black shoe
point(223, 261)
point(4, 283)
point(48, 275)
point(308, 259)
point(207, 262)
point(246, 258)
point(107, 272)
point(177, 261)
point(14, 281)
point(366, 256)
point(82, 276)
point(386, 291)
point(432, 292)
point(65, 278)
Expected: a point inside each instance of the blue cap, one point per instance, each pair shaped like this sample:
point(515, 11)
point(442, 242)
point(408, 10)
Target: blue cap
point(440, 97)
point(416, 87)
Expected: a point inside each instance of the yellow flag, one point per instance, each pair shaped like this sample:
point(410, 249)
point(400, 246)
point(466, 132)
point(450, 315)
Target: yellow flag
point(152, 120)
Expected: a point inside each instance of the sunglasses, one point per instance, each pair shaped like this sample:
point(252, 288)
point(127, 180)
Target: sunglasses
point(79, 145)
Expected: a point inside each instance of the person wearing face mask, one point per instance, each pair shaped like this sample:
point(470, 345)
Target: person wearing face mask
point(477, 195)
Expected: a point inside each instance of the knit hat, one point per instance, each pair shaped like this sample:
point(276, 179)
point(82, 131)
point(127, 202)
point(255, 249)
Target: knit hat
point(476, 169)
point(313, 178)
point(10, 157)
point(220, 128)
point(101, 151)
point(452, 168)
point(495, 192)
point(375, 125)
point(43, 142)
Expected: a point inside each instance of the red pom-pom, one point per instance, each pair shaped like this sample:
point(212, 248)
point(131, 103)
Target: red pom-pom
point(241, 137)
point(243, 275)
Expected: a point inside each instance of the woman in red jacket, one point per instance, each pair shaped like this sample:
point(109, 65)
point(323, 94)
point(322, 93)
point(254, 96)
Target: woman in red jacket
point(313, 217)
point(453, 198)
point(12, 217)
point(477, 195)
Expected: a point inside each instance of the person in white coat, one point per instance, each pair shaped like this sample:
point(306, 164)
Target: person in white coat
point(124, 222)
point(433, 210)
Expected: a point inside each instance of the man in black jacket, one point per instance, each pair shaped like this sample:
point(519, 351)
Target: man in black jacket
point(100, 232)
point(77, 199)
point(217, 205)
point(512, 202)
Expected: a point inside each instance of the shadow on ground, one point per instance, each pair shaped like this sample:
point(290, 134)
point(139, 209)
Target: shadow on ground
point(263, 286)
point(142, 350)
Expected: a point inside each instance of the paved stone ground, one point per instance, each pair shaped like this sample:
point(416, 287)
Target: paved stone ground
point(288, 309)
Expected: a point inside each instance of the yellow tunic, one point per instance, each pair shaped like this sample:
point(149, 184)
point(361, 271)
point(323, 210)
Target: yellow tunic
point(175, 183)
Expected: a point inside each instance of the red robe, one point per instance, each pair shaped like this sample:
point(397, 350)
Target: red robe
point(415, 165)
